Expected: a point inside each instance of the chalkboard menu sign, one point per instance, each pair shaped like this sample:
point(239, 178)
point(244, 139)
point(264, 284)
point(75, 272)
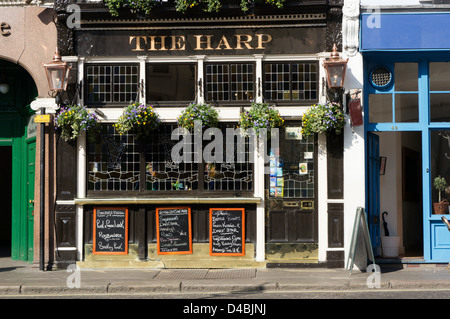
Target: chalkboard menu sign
point(174, 230)
point(227, 234)
point(111, 231)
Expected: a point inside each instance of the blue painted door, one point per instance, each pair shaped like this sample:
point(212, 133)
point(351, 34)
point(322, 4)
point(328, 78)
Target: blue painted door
point(373, 200)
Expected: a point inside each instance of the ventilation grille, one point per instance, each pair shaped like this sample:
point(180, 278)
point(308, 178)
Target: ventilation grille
point(381, 76)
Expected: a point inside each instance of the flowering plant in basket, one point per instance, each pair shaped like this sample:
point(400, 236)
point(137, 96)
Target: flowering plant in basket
point(139, 119)
point(205, 113)
point(71, 121)
point(261, 116)
point(323, 118)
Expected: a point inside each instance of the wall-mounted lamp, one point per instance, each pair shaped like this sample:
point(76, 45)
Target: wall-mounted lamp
point(4, 84)
point(57, 73)
point(335, 68)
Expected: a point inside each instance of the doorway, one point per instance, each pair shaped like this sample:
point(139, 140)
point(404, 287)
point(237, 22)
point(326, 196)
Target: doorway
point(17, 159)
point(401, 191)
point(6, 200)
point(292, 218)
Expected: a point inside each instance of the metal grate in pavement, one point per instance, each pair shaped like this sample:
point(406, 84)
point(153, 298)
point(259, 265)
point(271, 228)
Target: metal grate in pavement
point(230, 273)
point(181, 274)
point(167, 274)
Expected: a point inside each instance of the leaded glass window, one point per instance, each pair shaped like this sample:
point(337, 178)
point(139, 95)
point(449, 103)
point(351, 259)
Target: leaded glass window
point(120, 162)
point(291, 81)
point(230, 82)
point(111, 84)
point(162, 173)
point(113, 162)
point(235, 174)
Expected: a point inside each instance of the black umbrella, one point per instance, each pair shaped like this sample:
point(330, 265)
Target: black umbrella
point(386, 230)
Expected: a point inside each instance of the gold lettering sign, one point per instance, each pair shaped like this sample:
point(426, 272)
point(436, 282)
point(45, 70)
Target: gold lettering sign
point(201, 42)
point(4, 29)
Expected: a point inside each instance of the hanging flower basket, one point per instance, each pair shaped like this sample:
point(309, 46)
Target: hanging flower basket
point(205, 113)
point(261, 116)
point(138, 119)
point(136, 6)
point(323, 118)
point(146, 6)
point(71, 121)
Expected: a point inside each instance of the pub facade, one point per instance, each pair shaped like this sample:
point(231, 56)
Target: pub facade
point(124, 200)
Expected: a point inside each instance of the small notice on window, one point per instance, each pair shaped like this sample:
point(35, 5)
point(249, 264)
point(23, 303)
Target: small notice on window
point(303, 168)
point(293, 133)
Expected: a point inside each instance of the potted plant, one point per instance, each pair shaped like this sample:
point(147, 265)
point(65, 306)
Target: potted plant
point(440, 207)
point(204, 113)
point(72, 120)
point(323, 118)
point(261, 116)
point(139, 119)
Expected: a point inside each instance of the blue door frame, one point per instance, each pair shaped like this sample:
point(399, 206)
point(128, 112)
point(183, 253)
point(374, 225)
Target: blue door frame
point(436, 241)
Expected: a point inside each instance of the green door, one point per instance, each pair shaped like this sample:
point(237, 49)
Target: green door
point(18, 146)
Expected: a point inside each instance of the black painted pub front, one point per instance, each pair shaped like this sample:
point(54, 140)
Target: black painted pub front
point(124, 201)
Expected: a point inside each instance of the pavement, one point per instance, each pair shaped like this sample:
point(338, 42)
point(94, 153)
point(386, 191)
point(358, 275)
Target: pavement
point(20, 279)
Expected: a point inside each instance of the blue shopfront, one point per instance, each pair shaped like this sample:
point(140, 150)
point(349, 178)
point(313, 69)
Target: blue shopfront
point(407, 126)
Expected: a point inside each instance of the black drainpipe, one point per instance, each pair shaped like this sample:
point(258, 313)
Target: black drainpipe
point(41, 192)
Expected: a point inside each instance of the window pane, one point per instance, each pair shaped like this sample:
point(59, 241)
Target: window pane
point(113, 162)
point(162, 173)
point(304, 81)
point(440, 107)
point(406, 108)
point(242, 82)
point(380, 108)
point(406, 76)
point(111, 84)
point(236, 173)
point(171, 82)
point(291, 173)
point(276, 85)
point(440, 163)
point(217, 82)
point(229, 82)
point(290, 81)
point(440, 76)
